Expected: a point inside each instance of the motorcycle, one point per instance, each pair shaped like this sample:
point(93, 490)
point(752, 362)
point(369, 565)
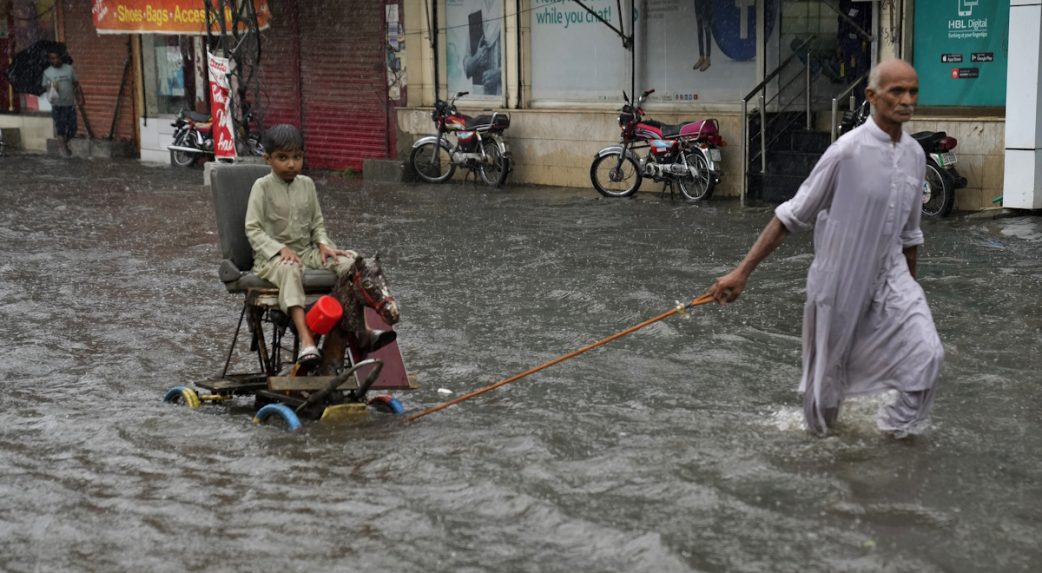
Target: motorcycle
point(193, 136)
point(687, 155)
point(942, 178)
point(479, 145)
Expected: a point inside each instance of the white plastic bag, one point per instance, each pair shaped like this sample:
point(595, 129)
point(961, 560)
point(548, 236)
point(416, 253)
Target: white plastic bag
point(52, 93)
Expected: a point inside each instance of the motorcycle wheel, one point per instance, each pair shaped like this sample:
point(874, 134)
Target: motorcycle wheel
point(432, 162)
point(615, 175)
point(181, 158)
point(494, 171)
point(697, 187)
point(938, 192)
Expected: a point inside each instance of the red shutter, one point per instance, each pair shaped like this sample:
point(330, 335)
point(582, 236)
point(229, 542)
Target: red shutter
point(344, 82)
point(99, 63)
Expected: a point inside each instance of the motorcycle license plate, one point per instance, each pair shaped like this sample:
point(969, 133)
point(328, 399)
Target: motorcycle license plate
point(714, 155)
point(947, 158)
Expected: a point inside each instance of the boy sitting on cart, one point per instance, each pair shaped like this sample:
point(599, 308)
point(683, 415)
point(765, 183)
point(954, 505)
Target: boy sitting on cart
point(286, 230)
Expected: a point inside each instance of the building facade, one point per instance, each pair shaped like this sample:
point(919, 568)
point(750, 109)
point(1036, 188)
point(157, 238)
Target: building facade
point(563, 64)
point(325, 66)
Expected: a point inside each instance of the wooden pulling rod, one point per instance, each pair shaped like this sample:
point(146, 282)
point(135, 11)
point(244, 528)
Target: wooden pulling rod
point(679, 308)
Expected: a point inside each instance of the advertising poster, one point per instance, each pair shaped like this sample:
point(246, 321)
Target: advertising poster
point(687, 50)
point(220, 108)
point(703, 50)
point(473, 51)
point(575, 56)
point(961, 48)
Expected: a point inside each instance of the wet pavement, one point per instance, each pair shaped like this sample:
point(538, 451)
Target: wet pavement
point(679, 448)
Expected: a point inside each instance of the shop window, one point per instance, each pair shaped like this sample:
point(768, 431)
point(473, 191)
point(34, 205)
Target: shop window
point(474, 46)
point(169, 70)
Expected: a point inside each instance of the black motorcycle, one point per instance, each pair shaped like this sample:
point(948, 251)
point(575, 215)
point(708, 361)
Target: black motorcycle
point(193, 137)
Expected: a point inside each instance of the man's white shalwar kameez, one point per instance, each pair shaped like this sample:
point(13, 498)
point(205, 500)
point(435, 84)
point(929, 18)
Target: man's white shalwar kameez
point(866, 325)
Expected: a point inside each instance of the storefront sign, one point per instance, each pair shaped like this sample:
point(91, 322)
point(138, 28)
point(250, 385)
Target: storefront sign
point(161, 16)
point(956, 31)
point(220, 108)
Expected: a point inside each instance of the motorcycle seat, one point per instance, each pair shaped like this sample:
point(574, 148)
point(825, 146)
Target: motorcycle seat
point(667, 130)
point(198, 117)
point(929, 139)
point(494, 121)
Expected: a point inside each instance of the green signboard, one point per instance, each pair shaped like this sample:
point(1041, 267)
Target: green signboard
point(961, 47)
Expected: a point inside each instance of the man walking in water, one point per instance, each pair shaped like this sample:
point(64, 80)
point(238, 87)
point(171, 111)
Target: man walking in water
point(866, 325)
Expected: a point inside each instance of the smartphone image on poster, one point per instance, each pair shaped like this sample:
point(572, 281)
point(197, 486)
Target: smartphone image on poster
point(477, 30)
point(966, 7)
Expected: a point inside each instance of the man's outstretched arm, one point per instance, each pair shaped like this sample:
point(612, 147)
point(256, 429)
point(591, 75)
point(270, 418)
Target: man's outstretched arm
point(727, 288)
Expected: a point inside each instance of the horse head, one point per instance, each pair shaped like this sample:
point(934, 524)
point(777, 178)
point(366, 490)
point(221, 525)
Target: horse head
point(370, 285)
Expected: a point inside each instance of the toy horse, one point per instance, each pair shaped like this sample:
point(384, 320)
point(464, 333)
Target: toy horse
point(362, 286)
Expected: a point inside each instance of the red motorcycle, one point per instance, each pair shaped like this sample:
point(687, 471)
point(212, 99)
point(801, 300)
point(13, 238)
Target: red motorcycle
point(687, 154)
point(479, 145)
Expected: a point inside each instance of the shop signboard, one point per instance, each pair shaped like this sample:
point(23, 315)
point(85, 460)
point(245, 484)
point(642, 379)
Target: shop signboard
point(961, 47)
point(161, 16)
point(220, 107)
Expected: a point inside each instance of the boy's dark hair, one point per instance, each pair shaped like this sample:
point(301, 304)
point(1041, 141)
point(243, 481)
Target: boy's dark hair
point(282, 137)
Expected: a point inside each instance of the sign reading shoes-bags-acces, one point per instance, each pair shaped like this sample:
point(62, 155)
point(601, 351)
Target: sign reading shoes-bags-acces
point(961, 47)
point(161, 16)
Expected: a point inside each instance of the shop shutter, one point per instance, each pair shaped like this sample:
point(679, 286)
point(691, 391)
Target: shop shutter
point(99, 61)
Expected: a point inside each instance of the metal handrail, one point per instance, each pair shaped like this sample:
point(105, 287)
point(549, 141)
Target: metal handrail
point(835, 102)
point(761, 89)
point(760, 86)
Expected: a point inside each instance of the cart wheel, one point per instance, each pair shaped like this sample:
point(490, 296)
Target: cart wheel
point(182, 395)
point(387, 404)
point(282, 412)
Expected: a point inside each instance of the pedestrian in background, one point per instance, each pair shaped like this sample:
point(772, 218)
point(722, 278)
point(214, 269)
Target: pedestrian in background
point(866, 325)
point(63, 93)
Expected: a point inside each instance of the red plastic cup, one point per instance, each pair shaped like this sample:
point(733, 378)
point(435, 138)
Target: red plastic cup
point(325, 313)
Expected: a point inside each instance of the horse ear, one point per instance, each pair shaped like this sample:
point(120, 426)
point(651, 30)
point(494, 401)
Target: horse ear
point(359, 261)
point(376, 257)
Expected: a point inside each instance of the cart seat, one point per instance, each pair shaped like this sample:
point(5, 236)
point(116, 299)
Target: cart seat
point(231, 185)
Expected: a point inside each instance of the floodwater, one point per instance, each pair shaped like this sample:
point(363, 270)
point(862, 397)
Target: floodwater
point(679, 448)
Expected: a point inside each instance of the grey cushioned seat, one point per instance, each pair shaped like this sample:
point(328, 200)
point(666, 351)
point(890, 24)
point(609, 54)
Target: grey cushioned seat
point(231, 185)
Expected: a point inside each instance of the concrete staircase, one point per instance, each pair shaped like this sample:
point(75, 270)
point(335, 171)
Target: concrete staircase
point(792, 152)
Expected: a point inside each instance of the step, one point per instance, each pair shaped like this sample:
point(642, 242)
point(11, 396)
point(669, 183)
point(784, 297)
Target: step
point(791, 162)
point(772, 187)
point(810, 141)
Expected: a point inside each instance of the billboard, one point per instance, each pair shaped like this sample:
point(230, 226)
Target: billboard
point(961, 48)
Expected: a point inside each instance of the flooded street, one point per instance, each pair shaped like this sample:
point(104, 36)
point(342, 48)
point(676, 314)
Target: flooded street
point(679, 448)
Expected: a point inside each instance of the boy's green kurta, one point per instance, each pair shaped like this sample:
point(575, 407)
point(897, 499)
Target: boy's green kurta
point(281, 214)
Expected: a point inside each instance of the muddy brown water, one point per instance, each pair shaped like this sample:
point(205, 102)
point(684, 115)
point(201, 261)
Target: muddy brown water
point(679, 448)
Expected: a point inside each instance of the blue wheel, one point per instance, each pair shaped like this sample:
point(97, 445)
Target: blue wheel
point(388, 404)
point(182, 395)
point(280, 411)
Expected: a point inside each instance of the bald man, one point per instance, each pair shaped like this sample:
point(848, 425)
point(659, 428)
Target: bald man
point(866, 325)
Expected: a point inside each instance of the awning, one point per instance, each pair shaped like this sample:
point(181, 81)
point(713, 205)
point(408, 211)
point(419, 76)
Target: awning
point(161, 16)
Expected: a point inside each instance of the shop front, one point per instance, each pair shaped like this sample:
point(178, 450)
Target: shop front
point(560, 68)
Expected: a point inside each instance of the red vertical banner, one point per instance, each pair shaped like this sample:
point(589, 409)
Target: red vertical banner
point(220, 108)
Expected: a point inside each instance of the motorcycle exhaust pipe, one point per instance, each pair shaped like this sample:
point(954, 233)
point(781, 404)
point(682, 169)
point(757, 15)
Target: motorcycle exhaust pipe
point(187, 149)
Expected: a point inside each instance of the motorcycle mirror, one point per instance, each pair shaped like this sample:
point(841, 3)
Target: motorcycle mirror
point(625, 97)
point(461, 94)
